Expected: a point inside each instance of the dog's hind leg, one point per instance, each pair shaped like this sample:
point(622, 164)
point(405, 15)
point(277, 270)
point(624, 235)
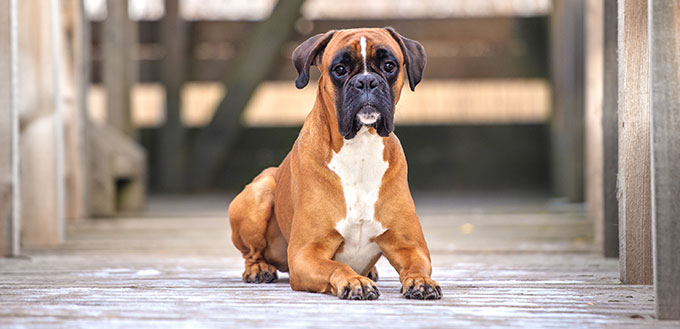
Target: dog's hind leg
point(250, 214)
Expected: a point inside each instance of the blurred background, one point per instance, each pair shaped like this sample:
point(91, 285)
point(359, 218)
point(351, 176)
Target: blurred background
point(479, 121)
point(119, 100)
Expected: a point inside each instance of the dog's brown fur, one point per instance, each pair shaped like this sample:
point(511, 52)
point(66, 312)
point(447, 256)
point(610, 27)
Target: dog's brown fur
point(285, 219)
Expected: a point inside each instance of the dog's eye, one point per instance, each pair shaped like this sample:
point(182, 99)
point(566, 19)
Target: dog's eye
point(340, 70)
point(389, 67)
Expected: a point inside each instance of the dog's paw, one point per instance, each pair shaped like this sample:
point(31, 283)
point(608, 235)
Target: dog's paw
point(421, 288)
point(260, 273)
point(358, 288)
point(373, 274)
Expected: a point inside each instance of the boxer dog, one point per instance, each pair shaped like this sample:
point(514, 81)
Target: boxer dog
point(340, 199)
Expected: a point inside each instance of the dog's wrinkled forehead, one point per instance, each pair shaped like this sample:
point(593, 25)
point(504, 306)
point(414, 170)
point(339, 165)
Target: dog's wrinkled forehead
point(362, 43)
point(320, 50)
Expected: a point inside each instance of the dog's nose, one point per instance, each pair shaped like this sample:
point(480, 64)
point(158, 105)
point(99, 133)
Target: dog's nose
point(366, 82)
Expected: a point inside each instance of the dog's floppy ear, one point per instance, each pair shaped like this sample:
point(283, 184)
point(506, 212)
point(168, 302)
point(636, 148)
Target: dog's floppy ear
point(305, 54)
point(414, 57)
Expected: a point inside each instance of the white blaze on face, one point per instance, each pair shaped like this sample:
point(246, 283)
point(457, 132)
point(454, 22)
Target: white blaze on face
point(362, 43)
point(360, 166)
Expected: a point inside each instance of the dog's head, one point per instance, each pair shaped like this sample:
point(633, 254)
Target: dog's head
point(361, 70)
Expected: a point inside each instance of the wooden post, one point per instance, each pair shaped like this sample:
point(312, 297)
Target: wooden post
point(593, 116)
point(567, 50)
point(41, 221)
point(116, 164)
point(250, 67)
point(76, 76)
point(610, 134)
point(635, 224)
point(6, 179)
point(56, 35)
point(9, 132)
point(119, 70)
point(664, 50)
point(171, 147)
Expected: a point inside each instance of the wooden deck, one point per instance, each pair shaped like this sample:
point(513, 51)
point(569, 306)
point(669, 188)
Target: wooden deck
point(522, 262)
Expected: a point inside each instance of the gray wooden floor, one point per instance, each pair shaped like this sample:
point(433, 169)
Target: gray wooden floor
point(502, 262)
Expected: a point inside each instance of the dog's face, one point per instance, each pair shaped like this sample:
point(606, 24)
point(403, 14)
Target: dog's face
point(361, 70)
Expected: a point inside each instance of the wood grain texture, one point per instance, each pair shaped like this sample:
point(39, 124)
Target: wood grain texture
point(502, 262)
point(664, 27)
point(634, 155)
point(610, 133)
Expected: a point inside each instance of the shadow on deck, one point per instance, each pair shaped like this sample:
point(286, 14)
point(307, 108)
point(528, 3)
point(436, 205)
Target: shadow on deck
point(521, 261)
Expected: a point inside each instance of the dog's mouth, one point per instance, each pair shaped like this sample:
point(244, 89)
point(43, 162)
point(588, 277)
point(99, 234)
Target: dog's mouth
point(358, 108)
point(368, 115)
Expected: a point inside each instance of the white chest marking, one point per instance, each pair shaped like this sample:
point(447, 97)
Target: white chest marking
point(360, 166)
point(362, 43)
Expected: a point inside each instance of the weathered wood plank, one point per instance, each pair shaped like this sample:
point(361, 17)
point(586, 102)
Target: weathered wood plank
point(567, 63)
point(76, 83)
point(610, 133)
point(634, 155)
point(8, 113)
point(56, 37)
point(664, 49)
point(594, 61)
point(515, 291)
point(8, 131)
point(119, 41)
point(41, 220)
point(175, 267)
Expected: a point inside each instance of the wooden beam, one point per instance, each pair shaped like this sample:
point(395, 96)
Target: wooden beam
point(664, 52)
point(567, 62)
point(634, 161)
point(9, 176)
point(251, 67)
point(171, 157)
point(458, 47)
point(593, 115)
point(610, 134)
point(119, 42)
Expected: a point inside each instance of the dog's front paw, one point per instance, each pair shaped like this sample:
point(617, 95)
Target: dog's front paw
point(260, 273)
point(421, 288)
point(358, 288)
